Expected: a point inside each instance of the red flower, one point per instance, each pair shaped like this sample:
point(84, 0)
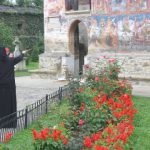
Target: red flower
point(97, 147)
point(96, 137)
point(123, 85)
point(56, 134)
point(112, 60)
point(7, 137)
point(76, 113)
point(44, 133)
point(62, 137)
point(81, 122)
point(86, 66)
point(126, 96)
point(65, 141)
point(81, 108)
point(87, 142)
point(81, 89)
point(96, 79)
point(104, 98)
point(35, 134)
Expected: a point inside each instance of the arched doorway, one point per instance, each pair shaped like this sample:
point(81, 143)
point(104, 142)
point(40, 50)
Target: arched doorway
point(78, 45)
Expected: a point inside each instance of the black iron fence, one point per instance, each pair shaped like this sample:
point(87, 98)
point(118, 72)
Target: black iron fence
point(23, 118)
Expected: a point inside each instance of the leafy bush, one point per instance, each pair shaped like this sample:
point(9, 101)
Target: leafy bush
point(35, 54)
point(102, 109)
point(101, 112)
point(37, 49)
point(54, 139)
point(6, 35)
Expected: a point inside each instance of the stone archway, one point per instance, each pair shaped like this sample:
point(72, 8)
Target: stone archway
point(78, 44)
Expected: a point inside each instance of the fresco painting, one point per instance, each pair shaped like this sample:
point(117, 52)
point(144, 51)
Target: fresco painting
point(134, 5)
point(123, 32)
point(53, 7)
point(102, 6)
point(119, 6)
point(111, 26)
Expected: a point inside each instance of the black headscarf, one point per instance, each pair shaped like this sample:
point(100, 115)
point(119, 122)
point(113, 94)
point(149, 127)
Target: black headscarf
point(3, 55)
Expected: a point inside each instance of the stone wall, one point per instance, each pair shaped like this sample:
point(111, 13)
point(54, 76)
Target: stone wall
point(27, 23)
point(135, 66)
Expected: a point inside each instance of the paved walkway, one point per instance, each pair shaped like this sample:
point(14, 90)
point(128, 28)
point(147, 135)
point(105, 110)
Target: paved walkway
point(141, 90)
point(29, 90)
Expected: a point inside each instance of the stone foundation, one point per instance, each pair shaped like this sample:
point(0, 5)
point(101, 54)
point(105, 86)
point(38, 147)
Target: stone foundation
point(135, 66)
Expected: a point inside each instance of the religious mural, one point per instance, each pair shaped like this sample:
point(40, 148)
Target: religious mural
point(118, 29)
point(122, 32)
point(102, 6)
point(53, 7)
point(120, 6)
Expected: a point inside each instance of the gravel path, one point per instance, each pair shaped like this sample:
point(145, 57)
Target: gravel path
point(30, 90)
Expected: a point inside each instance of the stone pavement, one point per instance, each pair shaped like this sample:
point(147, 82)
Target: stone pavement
point(141, 90)
point(29, 89)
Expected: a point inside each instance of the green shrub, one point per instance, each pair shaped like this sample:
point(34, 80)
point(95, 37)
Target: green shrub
point(35, 54)
point(6, 35)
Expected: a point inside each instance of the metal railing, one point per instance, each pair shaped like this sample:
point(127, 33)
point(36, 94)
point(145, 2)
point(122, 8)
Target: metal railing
point(23, 118)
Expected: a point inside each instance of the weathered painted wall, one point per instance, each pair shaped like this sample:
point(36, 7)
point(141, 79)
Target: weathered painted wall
point(120, 32)
point(114, 27)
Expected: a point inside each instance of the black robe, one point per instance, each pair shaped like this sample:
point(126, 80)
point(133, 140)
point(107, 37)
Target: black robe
point(8, 89)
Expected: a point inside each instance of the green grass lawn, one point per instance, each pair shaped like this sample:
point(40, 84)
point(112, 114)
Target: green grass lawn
point(24, 140)
point(141, 136)
point(140, 139)
point(30, 66)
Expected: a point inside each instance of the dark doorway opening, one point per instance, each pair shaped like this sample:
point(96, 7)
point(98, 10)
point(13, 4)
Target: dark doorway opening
point(78, 46)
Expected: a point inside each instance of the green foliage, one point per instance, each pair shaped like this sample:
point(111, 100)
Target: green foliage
point(104, 77)
point(3, 147)
point(32, 65)
point(38, 3)
point(35, 54)
point(22, 73)
point(24, 2)
point(37, 49)
point(23, 140)
point(97, 104)
point(6, 35)
point(141, 136)
point(28, 27)
point(139, 140)
point(2, 2)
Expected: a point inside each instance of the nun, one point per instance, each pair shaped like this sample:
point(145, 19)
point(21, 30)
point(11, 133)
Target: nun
point(8, 106)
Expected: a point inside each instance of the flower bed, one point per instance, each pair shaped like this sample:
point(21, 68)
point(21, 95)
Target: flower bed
point(101, 113)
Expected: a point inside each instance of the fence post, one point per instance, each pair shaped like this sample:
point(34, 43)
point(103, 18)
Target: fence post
point(60, 94)
point(26, 117)
point(46, 103)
